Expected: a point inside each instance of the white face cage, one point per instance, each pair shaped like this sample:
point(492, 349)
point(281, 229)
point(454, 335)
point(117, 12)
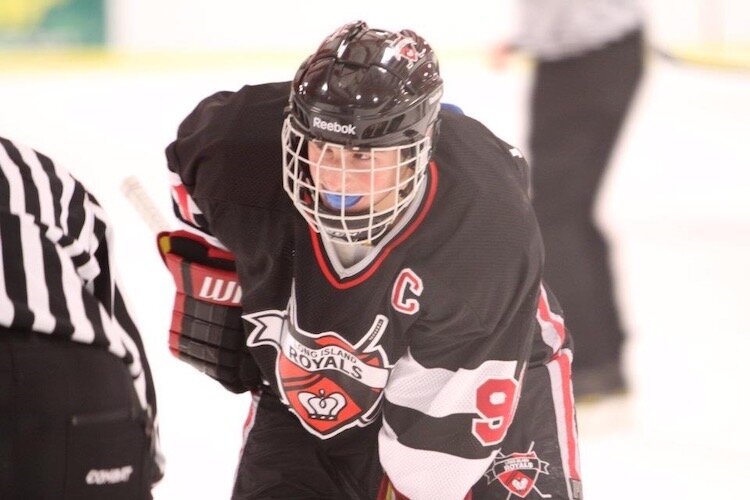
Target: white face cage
point(354, 195)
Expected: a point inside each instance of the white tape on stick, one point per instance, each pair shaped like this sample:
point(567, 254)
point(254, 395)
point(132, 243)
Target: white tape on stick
point(140, 199)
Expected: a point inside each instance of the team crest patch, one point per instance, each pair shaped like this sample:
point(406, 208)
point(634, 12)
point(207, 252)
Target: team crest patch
point(518, 472)
point(330, 384)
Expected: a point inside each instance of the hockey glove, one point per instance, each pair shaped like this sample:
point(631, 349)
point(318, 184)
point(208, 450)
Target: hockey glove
point(206, 330)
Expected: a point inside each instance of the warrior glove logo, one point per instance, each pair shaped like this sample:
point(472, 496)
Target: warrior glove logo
point(328, 383)
point(219, 291)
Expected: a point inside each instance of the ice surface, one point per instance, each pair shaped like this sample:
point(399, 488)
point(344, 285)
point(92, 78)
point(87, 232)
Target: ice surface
point(675, 204)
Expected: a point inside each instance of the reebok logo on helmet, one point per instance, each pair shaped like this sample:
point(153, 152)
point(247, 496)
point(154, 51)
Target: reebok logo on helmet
point(334, 127)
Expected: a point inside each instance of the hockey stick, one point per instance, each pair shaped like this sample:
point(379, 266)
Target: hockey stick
point(144, 204)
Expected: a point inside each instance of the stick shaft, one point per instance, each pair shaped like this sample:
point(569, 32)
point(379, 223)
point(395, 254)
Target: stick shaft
point(144, 205)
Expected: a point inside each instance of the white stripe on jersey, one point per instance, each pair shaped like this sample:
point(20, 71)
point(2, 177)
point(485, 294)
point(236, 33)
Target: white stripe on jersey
point(551, 333)
point(116, 336)
point(186, 212)
point(438, 392)
point(71, 281)
point(35, 272)
point(98, 212)
point(17, 201)
point(74, 248)
point(42, 183)
point(68, 186)
point(424, 474)
point(88, 229)
point(6, 306)
point(186, 216)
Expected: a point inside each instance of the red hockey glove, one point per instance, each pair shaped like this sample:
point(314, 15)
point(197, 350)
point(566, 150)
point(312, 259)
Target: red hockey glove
point(207, 330)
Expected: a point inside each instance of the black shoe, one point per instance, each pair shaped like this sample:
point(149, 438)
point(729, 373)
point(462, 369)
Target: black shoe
point(594, 383)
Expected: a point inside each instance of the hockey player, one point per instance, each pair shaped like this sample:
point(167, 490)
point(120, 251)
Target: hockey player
point(77, 403)
point(391, 321)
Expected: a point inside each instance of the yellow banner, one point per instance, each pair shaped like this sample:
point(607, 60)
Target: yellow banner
point(52, 24)
point(24, 14)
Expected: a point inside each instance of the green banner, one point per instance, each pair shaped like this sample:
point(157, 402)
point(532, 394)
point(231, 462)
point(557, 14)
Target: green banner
point(52, 23)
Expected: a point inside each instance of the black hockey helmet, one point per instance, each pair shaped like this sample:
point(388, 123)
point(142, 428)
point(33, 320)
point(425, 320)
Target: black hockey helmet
point(368, 87)
point(367, 90)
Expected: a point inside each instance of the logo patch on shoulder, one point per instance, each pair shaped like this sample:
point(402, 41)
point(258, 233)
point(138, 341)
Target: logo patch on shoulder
point(330, 384)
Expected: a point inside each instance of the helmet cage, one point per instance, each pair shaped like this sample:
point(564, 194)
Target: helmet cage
point(386, 203)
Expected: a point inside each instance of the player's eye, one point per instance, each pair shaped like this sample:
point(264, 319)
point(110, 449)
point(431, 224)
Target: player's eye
point(362, 156)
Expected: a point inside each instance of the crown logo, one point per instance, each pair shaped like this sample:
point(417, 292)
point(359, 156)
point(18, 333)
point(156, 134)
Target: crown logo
point(322, 407)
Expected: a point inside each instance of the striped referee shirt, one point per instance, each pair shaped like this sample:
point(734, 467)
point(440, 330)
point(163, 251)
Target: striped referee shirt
point(56, 276)
point(555, 29)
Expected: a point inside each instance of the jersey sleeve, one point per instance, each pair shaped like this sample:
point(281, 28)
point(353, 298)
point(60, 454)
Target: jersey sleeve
point(184, 155)
point(443, 419)
point(189, 216)
point(226, 186)
point(453, 395)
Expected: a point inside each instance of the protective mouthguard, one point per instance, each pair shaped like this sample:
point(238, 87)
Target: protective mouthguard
point(337, 201)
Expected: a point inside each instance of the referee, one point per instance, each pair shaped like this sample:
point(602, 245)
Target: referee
point(589, 61)
point(77, 402)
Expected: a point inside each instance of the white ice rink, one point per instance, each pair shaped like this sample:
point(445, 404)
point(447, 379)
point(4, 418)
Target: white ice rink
point(675, 204)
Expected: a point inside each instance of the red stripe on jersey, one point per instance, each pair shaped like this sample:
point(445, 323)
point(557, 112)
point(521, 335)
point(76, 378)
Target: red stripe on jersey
point(563, 360)
point(182, 202)
point(252, 412)
point(343, 285)
point(547, 315)
point(247, 427)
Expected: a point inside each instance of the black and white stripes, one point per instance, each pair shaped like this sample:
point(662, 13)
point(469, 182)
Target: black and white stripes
point(556, 29)
point(56, 276)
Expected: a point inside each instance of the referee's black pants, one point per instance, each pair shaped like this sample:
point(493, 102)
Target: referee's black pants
point(71, 426)
point(578, 106)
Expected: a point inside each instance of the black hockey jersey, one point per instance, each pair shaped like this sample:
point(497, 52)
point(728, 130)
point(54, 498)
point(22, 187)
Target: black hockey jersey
point(428, 337)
